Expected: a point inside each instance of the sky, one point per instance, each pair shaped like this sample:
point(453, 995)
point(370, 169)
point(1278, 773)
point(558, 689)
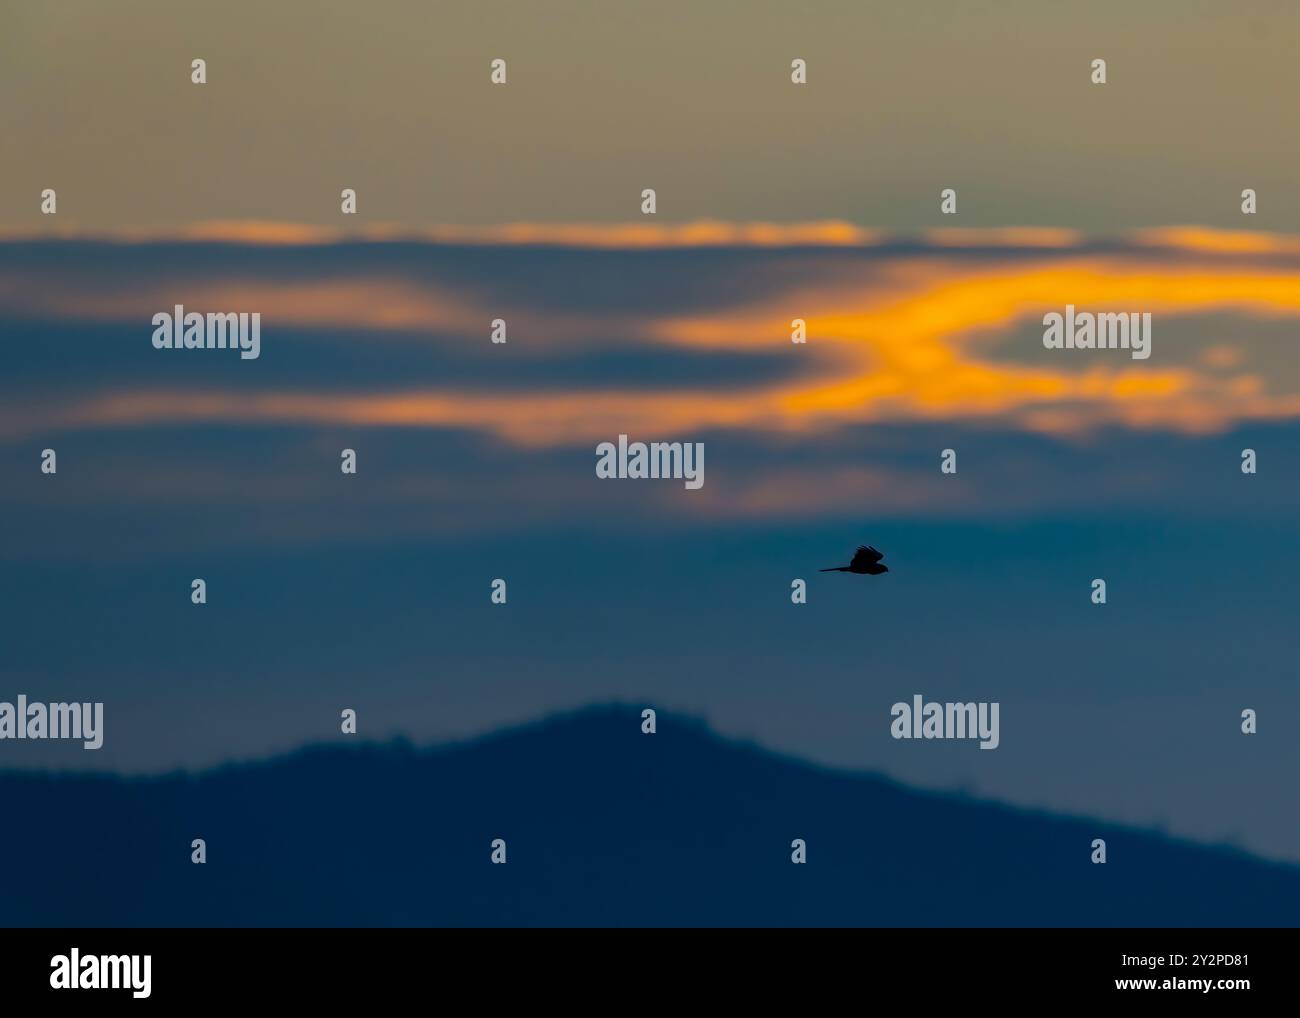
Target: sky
point(305, 97)
point(476, 460)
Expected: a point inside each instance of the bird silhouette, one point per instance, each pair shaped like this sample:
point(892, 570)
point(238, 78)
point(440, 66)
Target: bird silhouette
point(865, 560)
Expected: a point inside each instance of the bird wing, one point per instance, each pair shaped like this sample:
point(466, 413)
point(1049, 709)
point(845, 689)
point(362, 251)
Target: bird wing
point(866, 556)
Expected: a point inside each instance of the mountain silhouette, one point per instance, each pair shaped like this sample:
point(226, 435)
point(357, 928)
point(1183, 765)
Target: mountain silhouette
point(604, 825)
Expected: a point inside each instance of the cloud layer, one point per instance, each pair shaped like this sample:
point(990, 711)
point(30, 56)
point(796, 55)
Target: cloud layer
point(898, 330)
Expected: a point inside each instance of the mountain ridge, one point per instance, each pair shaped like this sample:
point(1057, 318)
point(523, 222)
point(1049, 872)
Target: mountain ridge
point(604, 826)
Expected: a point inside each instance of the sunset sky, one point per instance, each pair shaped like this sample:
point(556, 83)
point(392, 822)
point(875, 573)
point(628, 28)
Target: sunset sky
point(476, 460)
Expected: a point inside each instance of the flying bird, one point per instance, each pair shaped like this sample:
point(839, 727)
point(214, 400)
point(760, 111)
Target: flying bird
point(865, 560)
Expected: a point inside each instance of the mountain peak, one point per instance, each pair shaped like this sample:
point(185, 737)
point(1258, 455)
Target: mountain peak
point(603, 825)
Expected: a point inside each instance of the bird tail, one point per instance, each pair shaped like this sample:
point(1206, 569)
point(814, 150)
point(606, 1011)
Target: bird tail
point(835, 569)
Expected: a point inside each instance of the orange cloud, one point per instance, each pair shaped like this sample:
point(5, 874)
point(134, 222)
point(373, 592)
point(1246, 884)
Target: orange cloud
point(599, 236)
point(904, 338)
